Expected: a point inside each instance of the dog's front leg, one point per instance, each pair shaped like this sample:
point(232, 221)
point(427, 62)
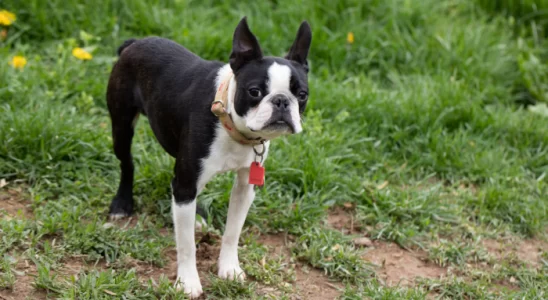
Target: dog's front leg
point(184, 215)
point(241, 197)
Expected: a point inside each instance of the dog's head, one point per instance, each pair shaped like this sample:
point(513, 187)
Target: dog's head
point(270, 93)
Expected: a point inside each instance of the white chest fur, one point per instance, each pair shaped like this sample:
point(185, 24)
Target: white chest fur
point(227, 155)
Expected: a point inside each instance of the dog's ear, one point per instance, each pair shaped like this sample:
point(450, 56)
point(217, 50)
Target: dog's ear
point(301, 45)
point(245, 46)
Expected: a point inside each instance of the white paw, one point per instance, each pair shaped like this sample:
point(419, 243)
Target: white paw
point(190, 286)
point(231, 272)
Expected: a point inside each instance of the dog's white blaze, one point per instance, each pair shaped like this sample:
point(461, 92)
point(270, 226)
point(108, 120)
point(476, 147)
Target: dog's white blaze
point(187, 274)
point(278, 79)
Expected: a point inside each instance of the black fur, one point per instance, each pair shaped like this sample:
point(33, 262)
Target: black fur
point(124, 46)
point(159, 78)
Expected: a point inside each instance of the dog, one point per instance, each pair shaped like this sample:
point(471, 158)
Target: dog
point(212, 117)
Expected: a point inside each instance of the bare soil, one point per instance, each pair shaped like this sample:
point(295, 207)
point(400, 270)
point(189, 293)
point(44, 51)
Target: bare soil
point(401, 267)
point(528, 251)
point(310, 283)
point(396, 266)
point(13, 203)
point(23, 288)
point(342, 219)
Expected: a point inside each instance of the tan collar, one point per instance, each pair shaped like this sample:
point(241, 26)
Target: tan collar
point(218, 108)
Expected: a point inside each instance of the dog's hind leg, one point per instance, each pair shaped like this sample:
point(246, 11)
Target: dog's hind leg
point(123, 114)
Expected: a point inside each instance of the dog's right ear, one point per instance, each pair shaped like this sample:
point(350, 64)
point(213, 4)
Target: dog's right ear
point(245, 46)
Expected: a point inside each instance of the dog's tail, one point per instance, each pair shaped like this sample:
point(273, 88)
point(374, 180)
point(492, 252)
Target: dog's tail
point(125, 45)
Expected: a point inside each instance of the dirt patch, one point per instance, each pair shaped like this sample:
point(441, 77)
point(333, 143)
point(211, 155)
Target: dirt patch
point(310, 283)
point(396, 266)
point(401, 267)
point(25, 273)
point(74, 265)
point(277, 243)
point(343, 220)
point(527, 251)
point(314, 284)
point(14, 203)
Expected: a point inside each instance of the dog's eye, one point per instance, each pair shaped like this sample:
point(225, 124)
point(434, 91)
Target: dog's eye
point(303, 96)
point(254, 92)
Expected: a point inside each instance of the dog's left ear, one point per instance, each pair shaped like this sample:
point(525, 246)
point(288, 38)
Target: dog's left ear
point(301, 45)
point(245, 46)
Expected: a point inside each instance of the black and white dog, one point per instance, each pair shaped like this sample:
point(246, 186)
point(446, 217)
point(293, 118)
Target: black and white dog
point(254, 99)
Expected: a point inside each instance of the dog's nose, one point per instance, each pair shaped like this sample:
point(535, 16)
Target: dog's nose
point(280, 102)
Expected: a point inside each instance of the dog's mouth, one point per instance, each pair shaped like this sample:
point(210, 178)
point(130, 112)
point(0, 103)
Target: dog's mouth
point(278, 125)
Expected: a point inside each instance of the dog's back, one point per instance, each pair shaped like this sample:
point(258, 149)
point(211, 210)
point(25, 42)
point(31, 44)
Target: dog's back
point(143, 81)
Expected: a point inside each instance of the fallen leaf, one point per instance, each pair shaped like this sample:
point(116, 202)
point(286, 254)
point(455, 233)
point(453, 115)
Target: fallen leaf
point(109, 292)
point(3, 183)
point(348, 205)
point(382, 185)
point(336, 247)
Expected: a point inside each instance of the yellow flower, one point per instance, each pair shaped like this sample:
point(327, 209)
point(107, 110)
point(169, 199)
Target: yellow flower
point(6, 17)
point(18, 62)
point(81, 54)
point(350, 38)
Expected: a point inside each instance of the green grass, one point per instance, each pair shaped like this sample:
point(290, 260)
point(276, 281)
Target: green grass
point(435, 98)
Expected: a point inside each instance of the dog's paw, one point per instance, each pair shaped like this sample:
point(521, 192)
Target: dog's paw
point(190, 285)
point(120, 207)
point(231, 272)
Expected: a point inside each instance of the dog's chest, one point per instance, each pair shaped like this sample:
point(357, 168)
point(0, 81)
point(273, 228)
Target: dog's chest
point(229, 157)
point(225, 155)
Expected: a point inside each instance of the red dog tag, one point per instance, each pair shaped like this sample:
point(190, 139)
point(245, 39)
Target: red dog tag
point(256, 174)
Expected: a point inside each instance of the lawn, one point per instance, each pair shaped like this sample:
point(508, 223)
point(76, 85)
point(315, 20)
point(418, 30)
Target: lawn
point(421, 171)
